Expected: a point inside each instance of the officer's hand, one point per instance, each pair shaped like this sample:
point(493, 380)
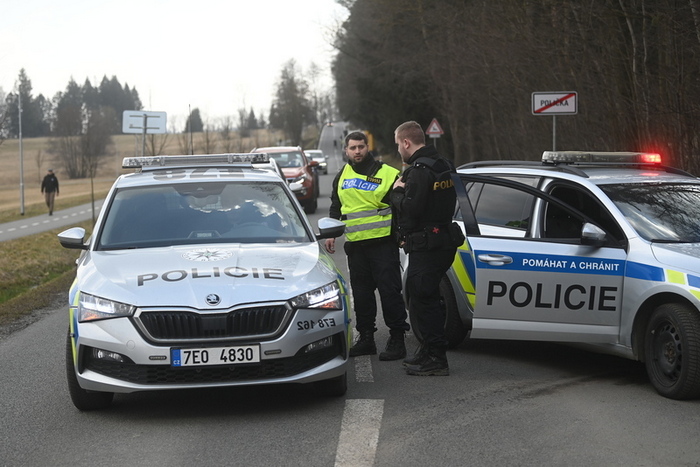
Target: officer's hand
point(330, 245)
point(399, 183)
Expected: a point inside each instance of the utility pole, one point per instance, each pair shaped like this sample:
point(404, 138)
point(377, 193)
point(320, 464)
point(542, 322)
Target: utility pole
point(21, 156)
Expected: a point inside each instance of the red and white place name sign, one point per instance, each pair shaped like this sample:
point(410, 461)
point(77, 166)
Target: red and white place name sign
point(555, 103)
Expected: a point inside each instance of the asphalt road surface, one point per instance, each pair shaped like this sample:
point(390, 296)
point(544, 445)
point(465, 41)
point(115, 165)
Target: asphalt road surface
point(505, 403)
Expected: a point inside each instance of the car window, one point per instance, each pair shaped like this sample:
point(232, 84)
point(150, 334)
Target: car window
point(500, 206)
point(558, 223)
point(665, 212)
point(195, 213)
point(288, 159)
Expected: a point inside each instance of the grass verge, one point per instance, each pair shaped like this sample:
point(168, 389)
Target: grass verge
point(34, 271)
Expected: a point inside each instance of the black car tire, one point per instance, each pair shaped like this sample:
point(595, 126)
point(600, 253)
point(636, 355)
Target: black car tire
point(82, 399)
point(455, 330)
point(672, 351)
point(334, 387)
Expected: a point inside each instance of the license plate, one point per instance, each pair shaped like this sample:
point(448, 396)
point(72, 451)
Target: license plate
point(215, 356)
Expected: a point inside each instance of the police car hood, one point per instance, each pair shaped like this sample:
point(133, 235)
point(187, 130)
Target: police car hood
point(678, 255)
point(188, 276)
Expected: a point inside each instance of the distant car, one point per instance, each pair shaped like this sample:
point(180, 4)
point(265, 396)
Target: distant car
point(317, 155)
point(203, 271)
point(596, 249)
point(297, 168)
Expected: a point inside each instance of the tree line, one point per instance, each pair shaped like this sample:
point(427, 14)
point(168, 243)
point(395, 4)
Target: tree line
point(81, 119)
point(474, 65)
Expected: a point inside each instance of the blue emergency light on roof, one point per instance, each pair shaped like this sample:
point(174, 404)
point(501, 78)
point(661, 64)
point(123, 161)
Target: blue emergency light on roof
point(195, 160)
point(586, 157)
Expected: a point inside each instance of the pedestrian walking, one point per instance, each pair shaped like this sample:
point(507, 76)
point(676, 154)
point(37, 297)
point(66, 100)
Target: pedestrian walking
point(49, 187)
point(361, 198)
point(424, 199)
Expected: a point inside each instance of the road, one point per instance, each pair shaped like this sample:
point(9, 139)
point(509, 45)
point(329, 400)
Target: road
point(505, 403)
point(33, 225)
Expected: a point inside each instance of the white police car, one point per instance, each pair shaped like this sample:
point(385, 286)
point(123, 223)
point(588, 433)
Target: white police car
point(203, 271)
point(587, 248)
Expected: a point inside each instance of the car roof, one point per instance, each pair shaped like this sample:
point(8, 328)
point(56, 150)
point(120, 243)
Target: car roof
point(275, 149)
point(599, 168)
point(252, 167)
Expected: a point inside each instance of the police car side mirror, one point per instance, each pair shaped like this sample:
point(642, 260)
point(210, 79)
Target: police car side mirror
point(296, 187)
point(592, 235)
point(330, 228)
point(73, 238)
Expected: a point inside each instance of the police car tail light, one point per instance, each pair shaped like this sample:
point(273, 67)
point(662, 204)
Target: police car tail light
point(326, 297)
point(198, 160)
point(91, 308)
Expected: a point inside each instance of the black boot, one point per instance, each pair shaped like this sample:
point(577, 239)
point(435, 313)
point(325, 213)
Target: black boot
point(395, 348)
point(364, 345)
point(433, 364)
point(417, 357)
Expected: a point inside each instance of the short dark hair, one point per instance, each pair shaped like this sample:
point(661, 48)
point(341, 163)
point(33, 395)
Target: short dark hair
point(411, 131)
point(357, 136)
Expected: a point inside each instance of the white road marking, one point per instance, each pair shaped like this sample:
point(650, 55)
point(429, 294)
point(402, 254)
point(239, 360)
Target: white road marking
point(363, 369)
point(359, 432)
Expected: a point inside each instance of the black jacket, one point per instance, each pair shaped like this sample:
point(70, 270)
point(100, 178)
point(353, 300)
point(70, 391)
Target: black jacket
point(429, 198)
point(49, 184)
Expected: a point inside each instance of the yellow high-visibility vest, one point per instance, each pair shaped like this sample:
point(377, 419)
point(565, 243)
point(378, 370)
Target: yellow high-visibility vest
point(364, 213)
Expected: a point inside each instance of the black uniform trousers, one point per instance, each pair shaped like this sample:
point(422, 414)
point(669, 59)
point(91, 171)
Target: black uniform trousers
point(423, 276)
point(376, 266)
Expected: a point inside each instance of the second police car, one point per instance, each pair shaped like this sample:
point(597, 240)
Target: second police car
point(600, 249)
point(203, 271)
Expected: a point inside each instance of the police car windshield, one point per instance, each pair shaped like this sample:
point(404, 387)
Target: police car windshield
point(197, 213)
point(665, 212)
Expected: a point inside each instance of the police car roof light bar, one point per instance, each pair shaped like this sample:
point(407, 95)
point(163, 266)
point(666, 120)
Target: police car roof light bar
point(585, 157)
point(240, 160)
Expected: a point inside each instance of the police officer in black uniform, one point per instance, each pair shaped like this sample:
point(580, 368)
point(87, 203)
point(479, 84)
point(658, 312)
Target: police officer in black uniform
point(424, 198)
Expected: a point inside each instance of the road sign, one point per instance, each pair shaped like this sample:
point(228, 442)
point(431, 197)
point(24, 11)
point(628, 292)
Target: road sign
point(434, 129)
point(141, 121)
point(555, 103)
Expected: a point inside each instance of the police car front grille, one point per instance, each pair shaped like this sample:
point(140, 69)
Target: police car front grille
point(165, 374)
point(188, 325)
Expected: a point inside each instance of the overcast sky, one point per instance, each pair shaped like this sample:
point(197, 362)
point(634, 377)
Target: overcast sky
point(215, 55)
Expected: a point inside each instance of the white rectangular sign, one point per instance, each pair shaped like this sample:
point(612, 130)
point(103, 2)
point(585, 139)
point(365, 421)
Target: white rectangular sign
point(135, 121)
point(555, 103)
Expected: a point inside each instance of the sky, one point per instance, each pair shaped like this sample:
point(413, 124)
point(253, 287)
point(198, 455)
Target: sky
point(215, 55)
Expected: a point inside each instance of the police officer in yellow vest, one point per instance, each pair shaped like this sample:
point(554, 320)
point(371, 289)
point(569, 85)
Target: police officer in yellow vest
point(360, 197)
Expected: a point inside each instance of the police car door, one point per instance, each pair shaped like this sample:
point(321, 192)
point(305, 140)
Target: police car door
point(534, 280)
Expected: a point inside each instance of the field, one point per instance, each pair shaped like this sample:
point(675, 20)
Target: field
point(37, 159)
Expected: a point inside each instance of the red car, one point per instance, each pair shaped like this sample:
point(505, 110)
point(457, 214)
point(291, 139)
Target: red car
point(297, 168)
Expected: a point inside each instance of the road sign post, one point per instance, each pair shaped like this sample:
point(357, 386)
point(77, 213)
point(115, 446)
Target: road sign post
point(555, 103)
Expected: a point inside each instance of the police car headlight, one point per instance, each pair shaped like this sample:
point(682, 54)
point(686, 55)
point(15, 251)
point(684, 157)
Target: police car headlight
point(326, 297)
point(91, 308)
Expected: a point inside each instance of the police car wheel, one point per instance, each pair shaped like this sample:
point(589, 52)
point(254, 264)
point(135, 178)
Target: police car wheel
point(672, 351)
point(334, 387)
point(82, 399)
point(455, 330)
